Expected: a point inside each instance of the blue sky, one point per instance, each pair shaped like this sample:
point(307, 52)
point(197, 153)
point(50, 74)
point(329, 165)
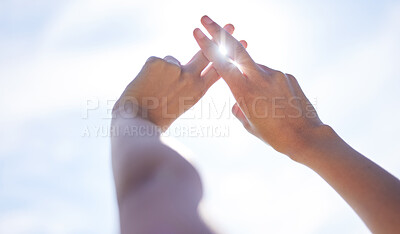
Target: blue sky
point(57, 55)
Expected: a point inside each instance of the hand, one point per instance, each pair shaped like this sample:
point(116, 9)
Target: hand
point(270, 104)
point(164, 89)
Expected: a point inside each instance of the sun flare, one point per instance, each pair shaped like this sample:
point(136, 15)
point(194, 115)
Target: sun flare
point(223, 50)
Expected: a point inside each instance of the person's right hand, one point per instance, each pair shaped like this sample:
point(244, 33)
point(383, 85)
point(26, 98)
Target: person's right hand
point(270, 104)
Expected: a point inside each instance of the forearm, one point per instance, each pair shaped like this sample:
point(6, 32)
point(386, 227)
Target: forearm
point(157, 189)
point(370, 190)
point(139, 155)
point(131, 142)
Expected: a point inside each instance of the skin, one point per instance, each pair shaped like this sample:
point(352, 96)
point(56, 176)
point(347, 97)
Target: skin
point(158, 191)
point(164, 89)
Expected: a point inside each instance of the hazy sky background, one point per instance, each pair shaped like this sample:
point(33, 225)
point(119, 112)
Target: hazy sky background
point(60, 58)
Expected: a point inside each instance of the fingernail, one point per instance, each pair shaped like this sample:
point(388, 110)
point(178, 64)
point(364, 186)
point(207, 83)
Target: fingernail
point(199, 34)
point(207, 20)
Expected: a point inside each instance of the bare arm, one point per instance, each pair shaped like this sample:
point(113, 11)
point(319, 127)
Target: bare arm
point(372, 192)
point(272, 106)
point(158, 191)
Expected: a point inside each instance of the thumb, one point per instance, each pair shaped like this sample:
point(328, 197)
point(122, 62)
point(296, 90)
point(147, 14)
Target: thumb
point(238, 113)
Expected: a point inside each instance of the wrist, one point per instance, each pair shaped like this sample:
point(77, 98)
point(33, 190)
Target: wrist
point(312, 141)
point(131, 110)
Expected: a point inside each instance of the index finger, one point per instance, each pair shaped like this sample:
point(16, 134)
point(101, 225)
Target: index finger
point(199, 61)
point(229, 72)
point(235, 49)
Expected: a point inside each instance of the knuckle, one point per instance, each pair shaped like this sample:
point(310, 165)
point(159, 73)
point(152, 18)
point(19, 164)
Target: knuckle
point(154, 61)
point(291, 78)
point(278, 76)
point(173, 68)
point(239, 49)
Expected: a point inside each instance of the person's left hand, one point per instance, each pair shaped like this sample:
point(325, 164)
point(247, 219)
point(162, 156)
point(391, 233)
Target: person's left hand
point(164, 89)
